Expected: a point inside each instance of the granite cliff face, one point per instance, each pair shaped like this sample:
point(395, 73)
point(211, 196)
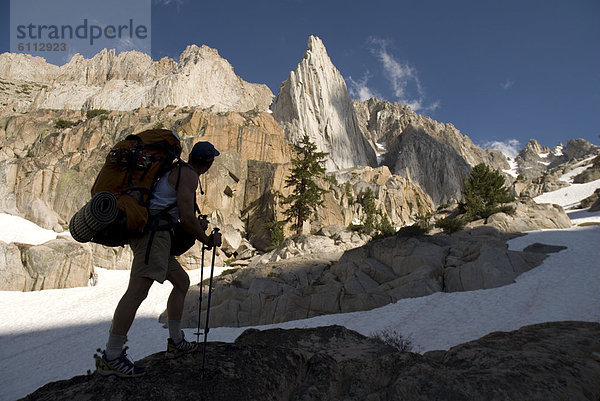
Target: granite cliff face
point(314, 100)
point(46, 173)
point(434, 155)
point(131, 80)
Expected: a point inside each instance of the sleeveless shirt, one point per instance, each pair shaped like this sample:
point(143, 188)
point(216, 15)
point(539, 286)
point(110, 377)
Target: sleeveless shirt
point(163, 196)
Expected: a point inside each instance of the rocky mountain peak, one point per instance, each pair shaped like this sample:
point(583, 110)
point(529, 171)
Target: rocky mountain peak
point(535, 159)
point(25, 67)
point(315, 45)
point(107, 65)
point(193, 54)
point(314, 100)
point(579, 147)
point(535, 147)
point(435, 155)
point(130, 80)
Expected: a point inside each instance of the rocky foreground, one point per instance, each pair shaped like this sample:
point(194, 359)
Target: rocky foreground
point(549, 361)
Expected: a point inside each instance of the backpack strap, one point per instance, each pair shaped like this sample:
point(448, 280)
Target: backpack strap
point(155, 225)
point(182, 163)
point(155, 220)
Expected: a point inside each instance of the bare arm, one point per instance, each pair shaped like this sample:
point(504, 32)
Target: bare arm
point(188, 183)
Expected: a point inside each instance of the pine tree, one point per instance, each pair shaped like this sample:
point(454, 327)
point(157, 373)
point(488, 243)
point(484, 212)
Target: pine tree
point(484, 192)
point(307, 195)
point(374, 221)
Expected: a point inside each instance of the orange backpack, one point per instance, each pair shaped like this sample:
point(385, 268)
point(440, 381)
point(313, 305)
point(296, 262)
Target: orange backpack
point(132, 169)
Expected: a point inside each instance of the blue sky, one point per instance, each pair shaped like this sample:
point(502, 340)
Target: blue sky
point(497, 70)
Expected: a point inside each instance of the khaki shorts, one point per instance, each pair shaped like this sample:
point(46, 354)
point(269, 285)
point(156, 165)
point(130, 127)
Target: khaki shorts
point(160, 261)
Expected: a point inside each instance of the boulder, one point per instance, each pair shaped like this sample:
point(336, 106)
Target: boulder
point(192, 259)
point(592, 173)
point(300, 245)
point(591, 201)
point(306, 276)
point(112, 258)
point(13, 276)
point(60, 263)
point(529, 216)
point(533, 187)
point(486, 263)
point(232, 239)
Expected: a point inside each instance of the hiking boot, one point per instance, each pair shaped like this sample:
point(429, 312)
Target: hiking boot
point(120, 366)
point(182, 347)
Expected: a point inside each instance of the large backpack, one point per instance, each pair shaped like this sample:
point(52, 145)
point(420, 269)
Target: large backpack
point(130, 172)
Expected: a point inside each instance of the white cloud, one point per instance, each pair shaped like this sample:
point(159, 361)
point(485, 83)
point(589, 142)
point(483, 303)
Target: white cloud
point(129, 44)
point(510, 147)
point(506, 85)
point(360, 90)
point(177, 3)
point(403, 77)
point(167, 2)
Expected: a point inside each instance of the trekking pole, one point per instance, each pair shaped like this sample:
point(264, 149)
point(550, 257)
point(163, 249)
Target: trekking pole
point(197, 333)
point(210, 283)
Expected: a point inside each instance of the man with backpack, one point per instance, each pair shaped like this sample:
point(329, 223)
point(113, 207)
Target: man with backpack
point(172, 199)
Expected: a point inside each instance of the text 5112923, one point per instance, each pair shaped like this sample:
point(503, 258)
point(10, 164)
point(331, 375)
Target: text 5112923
point(42, 47)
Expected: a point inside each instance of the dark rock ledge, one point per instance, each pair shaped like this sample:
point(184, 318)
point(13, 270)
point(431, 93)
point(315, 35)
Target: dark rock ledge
point(548, 361)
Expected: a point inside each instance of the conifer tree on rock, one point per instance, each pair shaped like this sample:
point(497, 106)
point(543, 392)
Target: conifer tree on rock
point(308, 168)
point(485, 192)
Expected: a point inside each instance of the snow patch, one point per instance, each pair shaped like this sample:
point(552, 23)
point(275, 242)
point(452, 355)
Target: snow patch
point(514, 168)
point(577, 169)
point(380, 152)
point(558, 150)
point(18, 229)
point(569, 197)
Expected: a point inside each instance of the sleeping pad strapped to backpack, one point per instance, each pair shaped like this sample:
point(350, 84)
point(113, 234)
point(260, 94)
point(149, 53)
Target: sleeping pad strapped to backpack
point(132, 168)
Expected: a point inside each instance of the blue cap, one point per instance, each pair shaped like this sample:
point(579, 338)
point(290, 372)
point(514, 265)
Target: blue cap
point(203, 152)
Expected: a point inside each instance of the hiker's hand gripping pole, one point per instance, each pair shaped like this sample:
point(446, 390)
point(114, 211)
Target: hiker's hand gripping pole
point(214, 239)
point(203, 220)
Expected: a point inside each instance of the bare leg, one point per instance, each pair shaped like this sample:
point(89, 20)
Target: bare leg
point(128, 305)
point(181, 282)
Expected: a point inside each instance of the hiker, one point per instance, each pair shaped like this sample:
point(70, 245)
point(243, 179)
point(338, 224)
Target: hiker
point(173, 199)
